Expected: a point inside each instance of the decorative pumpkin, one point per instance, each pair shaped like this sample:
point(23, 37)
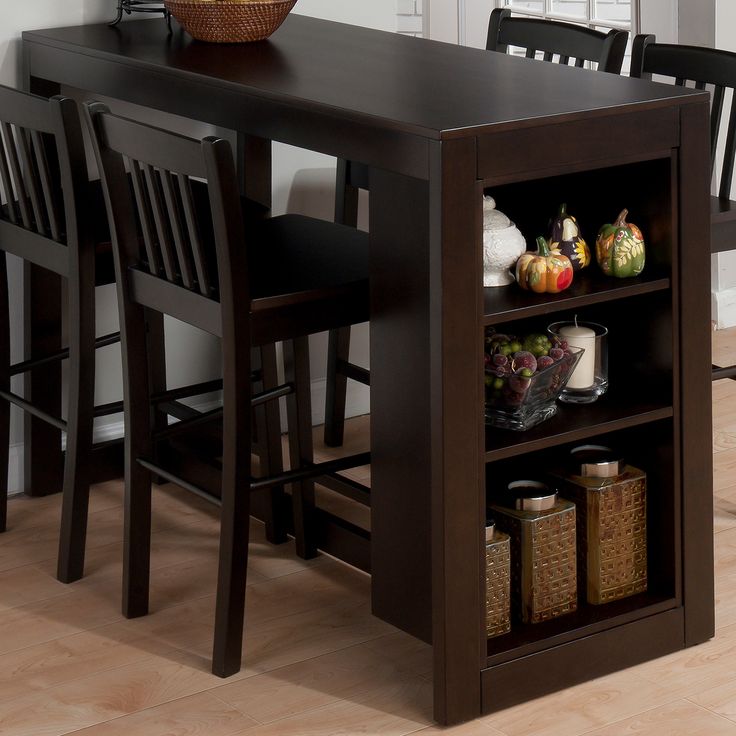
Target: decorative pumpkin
point(544, 271)
point(619, 248)
point(566, 239)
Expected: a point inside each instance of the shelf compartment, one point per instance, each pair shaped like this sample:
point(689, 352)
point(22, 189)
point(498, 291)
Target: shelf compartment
point(526, 639)
point(506, 303)
point(649, 447)
point(574, 423)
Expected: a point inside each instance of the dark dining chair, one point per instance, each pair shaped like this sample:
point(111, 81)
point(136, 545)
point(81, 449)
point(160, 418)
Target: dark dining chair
point(49, 219)
point(715, 70)
point(566, 41)
point(250, 281)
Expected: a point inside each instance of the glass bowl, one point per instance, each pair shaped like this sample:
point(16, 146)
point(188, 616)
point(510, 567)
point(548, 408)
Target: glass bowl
point(517, 402)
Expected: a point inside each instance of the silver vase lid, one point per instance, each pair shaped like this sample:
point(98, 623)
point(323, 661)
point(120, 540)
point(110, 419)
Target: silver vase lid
point(596, 461)
point(532, 495)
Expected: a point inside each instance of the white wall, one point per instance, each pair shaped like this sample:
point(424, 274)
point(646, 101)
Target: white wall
point(379, 14)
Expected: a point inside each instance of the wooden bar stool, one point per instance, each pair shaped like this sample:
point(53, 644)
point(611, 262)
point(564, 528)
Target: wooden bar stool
point(250, 282)
point(49, 218)
point(716, 70)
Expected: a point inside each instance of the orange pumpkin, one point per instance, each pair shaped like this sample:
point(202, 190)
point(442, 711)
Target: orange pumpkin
point(544, 271)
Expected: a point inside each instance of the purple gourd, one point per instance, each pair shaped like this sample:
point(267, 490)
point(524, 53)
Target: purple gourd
point(567, 241)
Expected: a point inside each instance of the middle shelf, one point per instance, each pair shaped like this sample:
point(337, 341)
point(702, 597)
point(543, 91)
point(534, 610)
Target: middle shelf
point(620, 408)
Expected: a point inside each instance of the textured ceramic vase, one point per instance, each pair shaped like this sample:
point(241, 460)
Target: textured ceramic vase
point(502, 245)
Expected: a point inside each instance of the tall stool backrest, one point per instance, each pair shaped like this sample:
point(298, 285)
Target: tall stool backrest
point(567, 42)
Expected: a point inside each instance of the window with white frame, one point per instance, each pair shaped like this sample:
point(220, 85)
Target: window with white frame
point(599, 14)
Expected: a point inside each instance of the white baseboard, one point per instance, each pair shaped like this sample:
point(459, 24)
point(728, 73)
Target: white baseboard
point(113, 427)
point(723, 308)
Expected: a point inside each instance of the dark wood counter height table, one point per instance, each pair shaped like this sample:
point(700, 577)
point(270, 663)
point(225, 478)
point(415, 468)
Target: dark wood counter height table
point(438, 125)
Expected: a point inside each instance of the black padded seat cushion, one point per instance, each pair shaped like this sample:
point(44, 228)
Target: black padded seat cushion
point(293, 253)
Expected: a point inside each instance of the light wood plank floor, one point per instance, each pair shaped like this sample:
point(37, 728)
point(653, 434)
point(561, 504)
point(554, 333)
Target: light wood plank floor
point(317, 662)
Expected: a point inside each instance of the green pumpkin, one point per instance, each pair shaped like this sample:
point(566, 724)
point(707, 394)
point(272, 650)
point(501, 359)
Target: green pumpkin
point(619, 248)
point(566, 240)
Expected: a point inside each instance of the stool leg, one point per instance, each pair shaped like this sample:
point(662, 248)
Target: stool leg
point(4, 385)
point(138, 444)
point(235, 509)
point(299, 413)
point(156, 341)
point(271, 441)
point(80, 419)
point(43, 459)
point(338, 350)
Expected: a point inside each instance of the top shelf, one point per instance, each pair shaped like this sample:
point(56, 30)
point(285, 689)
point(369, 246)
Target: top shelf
point(509, 303)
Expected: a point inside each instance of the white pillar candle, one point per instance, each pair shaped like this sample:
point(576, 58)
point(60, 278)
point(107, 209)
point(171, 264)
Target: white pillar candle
point(578, 336)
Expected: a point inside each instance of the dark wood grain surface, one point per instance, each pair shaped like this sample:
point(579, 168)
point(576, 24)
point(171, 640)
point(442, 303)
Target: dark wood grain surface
point(413, 85)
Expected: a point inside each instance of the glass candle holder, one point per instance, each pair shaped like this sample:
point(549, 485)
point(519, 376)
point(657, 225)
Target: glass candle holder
point(589, 380)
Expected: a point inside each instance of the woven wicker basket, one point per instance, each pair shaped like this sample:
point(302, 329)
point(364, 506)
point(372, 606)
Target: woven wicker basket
point(230, 21)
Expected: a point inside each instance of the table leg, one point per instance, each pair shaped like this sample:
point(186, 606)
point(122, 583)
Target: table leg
point(253, 160)
point(426, 418)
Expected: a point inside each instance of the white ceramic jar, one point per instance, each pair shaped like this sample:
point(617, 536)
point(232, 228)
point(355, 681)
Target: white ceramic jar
point(503, 243)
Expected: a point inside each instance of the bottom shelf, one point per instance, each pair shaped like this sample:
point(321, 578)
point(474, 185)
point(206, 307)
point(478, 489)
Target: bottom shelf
point(525, 639)
point(585, 657)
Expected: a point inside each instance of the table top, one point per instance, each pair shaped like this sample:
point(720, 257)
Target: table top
point(427, 88)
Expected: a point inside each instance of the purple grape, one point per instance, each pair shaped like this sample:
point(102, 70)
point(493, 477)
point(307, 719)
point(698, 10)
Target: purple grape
point(524, 359)
point(544, 361)
point(500, 360)
point(556, 353)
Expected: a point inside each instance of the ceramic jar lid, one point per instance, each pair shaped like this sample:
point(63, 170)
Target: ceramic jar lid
point(493, 219)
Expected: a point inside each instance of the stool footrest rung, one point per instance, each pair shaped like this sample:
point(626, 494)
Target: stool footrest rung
point(28, 365)
point(19, 401)
point(728, 371)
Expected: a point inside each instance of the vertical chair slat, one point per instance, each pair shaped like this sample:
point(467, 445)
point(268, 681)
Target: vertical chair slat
point(7, 184)
point(20, 188)
point(144, 214)
point(728, 156)
point(44, 173)
point(154, 197)
point(716, 111)
point(190, 217)
point(31, 180)
point(182, 251)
